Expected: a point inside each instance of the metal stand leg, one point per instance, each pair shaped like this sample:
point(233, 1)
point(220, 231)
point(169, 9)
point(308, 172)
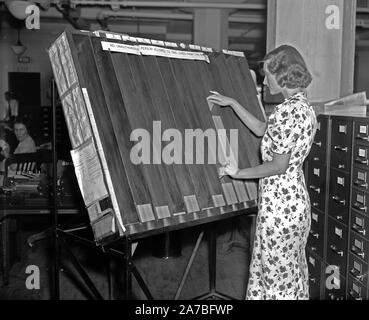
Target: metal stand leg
point(127, 275)
point(189, 265)
point(81, 271)
point(5, 250)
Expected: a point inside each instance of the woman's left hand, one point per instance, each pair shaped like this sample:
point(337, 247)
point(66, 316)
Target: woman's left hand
point(227, 170)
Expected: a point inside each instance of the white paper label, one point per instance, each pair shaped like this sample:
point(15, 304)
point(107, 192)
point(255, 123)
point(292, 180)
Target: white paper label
point(206, 49)
point(171, 53)
point(158, 42)
point(342, 129)
point(113, 36)
point(315, 217)
point(194, 47)
point(89, 173)
point(363, 129)
point(318, 126)
point(312, 261)
point(132, 39)
point(317, 172)
point(362, 153)
point(360, 198)
point(361, 175)
point(143, 40)
point(357, 266)
point(171, 44)
point(234, 53)
point(338, 232)
point(341, 181)
point(359, 221)
point(358, 244)
point(120, 47)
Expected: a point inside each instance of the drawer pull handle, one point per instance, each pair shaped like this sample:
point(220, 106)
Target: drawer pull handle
point(361, 184)
point(315, 204)
point(339, 218)
point(359, 207)
point(314, 234)
point(341, 166)
point(357, 276)
point(316, 158)
point(315, 189)
point(358, 229)
point(352, 294)
point(313, 280)
point(313, 248)
point(318, 144)
point(365, 138)
point(336, 251)
point(362, 161)
point(337, 199)
point(357, 252)
point(339, 148)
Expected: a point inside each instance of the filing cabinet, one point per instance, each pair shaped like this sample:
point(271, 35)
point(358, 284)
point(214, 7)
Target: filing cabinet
point(338, 184)
point(316, 179)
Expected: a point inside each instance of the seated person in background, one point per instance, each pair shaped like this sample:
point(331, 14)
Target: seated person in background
point(26, 143)
point(4, 152)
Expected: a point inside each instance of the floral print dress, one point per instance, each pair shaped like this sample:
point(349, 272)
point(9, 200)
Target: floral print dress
point(278, 269)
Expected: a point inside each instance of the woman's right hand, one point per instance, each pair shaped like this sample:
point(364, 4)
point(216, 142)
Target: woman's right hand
point(219, 99)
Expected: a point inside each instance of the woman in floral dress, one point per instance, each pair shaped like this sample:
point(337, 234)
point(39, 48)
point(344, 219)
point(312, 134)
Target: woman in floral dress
point(278, 267)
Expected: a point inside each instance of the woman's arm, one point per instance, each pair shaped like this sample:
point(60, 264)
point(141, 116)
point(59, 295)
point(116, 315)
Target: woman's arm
point(256, 126)
point(277, 166)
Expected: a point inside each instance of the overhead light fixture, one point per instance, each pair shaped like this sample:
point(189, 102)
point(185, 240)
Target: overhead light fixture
point(18, 8)
point(19, 48)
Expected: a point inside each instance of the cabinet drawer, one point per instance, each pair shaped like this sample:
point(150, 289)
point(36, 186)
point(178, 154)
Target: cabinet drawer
point(315, 271)
point(317, 185)
point(360, 179)
point(358, 269)
point(341, 144)
point(359, 246)
point(337, 244)
point(361, 132)
point(360, 201)
point(339, 195)
point(361, 155)
point(318, 152)
point(316, 238)
point(359, 224)
point(356, 290)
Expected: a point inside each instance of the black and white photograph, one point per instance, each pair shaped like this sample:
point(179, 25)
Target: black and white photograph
point(187, 156)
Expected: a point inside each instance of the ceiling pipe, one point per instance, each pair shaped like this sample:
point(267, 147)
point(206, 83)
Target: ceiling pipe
point(137, 14)
point(170, 4)
point(106, 14)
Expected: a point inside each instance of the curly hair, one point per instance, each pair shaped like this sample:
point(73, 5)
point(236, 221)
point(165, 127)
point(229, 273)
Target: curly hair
point(289, 67)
